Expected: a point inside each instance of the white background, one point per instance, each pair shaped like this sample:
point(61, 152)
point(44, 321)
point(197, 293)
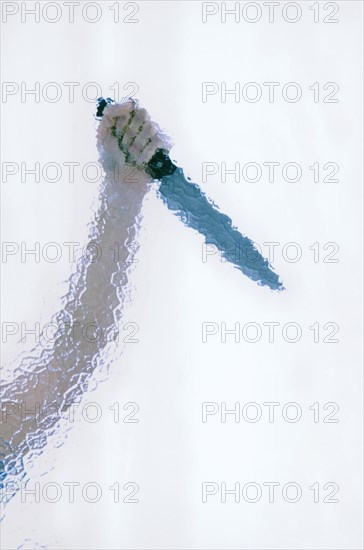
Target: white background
point(170, 372)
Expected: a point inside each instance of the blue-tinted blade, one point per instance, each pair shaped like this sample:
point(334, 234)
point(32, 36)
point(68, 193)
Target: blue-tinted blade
point(195, 210)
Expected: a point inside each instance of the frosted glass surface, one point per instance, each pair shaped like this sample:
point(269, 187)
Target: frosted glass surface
point(142, 449)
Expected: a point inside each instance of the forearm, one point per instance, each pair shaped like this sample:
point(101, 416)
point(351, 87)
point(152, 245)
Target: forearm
point(46, 387)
